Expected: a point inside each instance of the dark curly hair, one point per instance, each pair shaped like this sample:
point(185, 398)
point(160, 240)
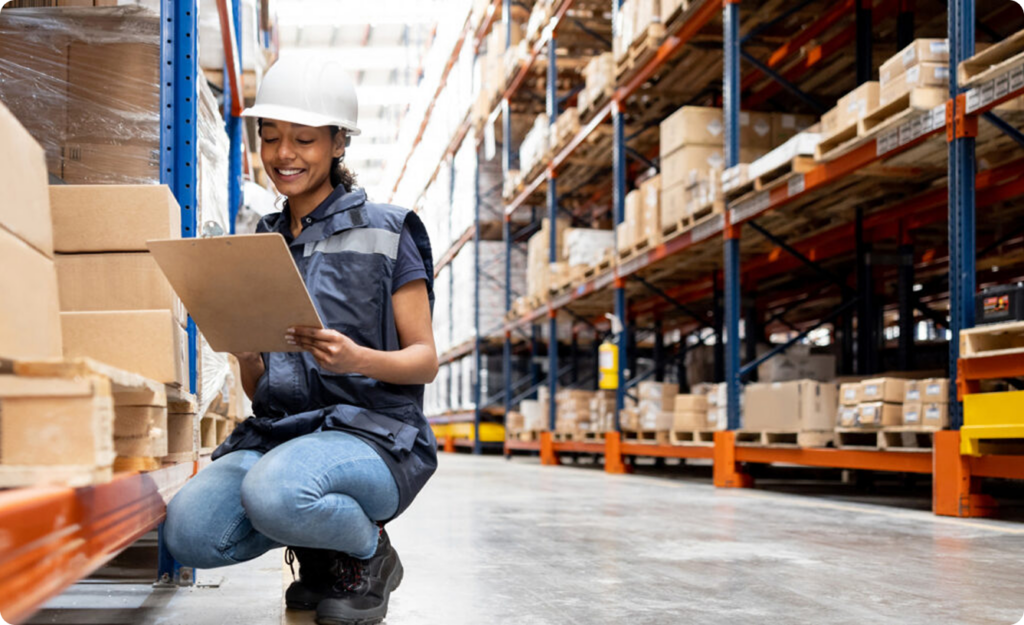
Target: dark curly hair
point(340, 175)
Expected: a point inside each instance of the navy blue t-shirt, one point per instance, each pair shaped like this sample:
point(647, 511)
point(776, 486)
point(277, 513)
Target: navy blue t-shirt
point(409, 263)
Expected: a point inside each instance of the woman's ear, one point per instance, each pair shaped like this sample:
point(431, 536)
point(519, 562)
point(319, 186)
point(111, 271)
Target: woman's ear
point(340, 142)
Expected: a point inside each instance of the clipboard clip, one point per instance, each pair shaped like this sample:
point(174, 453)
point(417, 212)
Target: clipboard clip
point(212, 229)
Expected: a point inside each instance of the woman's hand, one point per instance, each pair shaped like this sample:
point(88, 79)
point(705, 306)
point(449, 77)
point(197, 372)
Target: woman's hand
point(332, 350)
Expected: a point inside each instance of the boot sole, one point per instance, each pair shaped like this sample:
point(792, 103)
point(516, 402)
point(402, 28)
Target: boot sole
point(393, 583)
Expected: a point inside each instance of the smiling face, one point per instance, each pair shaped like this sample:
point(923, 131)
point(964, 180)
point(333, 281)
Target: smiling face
point(298, 158)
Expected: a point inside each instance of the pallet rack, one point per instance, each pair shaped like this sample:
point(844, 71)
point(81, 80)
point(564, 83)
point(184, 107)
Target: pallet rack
point(728, 264)
point(58, 536)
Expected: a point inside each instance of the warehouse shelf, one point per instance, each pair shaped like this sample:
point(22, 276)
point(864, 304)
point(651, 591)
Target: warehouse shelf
point(57, 536)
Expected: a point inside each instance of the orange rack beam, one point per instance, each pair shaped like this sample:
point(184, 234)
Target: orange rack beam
point(55, 536)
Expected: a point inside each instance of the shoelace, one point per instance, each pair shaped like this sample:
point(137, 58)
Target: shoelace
point(351, 573)
point(289, 559)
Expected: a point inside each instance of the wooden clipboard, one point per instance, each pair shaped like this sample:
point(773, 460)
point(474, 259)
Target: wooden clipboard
point(243, 291)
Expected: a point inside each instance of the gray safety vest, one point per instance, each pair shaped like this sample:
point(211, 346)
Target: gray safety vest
point(346, 254)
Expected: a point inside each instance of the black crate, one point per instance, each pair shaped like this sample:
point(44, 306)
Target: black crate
point(999, 303)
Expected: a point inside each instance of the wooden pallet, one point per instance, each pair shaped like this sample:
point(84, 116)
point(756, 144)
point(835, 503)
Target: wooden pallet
point(677, 19)
point(526, 436)
point(640, 52)
point(835, 139)
point(593, 437)
point(996, 339)
point(785, 438)
point(605, 264)
point(992, 61)
point(692, 220)
point(919, 99)
point(906, 438)
point(647, 437)
point(691, 437)
point(640, 246)
point(597, 104)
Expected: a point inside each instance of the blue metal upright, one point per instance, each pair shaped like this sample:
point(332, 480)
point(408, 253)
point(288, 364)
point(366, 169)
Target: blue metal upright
point(961, 198)
point(618, 216)
point(477, 355)
point(552, 106)
point(506, 164)
point(234, 127)
point(731, 112)
point(179, 74)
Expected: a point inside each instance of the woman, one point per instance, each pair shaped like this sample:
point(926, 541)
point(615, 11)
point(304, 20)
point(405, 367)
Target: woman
point(338, 444)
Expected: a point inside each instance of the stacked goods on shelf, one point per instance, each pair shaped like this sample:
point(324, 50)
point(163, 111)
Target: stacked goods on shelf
point(572, 411)
point(797, 363)
point(801, 412)
point(924, 63)
point(534, 149)
point(566, 126)
point(926, 403)
point(638, 32)
point(442, 317)
point(436, 212)
point(88, 84)
point(491, 293)
point(538, 263)
point(29, 308)
point(767, 151)
point(599, 83)
point(539, 18)
point(689, 417)
point(880, 403)
point(654, 412)
point(840, 122)
point(640, 229)
point(211, 52)
point(583, 249)
point(535, 415)
point(602, 411)
point(116, 305)
point(692, 159)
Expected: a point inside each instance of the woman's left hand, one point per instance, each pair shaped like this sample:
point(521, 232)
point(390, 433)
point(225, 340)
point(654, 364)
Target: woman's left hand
point(332, 350)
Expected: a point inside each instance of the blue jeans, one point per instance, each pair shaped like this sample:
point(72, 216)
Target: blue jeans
point(323, 490)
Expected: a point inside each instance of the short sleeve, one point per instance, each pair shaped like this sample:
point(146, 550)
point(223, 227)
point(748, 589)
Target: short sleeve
point(409, 263)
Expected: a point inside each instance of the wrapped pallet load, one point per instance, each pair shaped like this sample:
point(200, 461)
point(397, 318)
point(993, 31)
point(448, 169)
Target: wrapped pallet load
point(86, 82)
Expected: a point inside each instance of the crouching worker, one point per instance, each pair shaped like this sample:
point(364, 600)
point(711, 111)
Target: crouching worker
point(338, 444)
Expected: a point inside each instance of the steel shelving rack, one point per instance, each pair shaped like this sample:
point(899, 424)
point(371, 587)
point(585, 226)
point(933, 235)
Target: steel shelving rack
point(741, 261)
point(57, 536)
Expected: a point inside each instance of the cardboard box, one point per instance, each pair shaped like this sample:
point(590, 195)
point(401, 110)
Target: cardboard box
point(882, 389)
point(650, 206)
point(29, 302)
point(756, 130)
point(936, 415)
point(149, 342)
point(112, 218)
point(830, 121)
point(790, 406)
point(688, 164)
point(785, 126)
point(86, 163)
point(689, 420)
point(690, 403)
point(930, 390)
point(24, 204)
point(115, 281)
point(920, 51)
point(797, 364)
point(923, 75)
point(913, 413)
point(660, 394)
point(849, 393)
point(858, 103)
point(674, 204)
point(848, 416)
point(879, 414)
point(703, 126)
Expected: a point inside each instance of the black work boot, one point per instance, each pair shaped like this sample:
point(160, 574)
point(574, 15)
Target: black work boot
point(361, 595)
point(315, 578)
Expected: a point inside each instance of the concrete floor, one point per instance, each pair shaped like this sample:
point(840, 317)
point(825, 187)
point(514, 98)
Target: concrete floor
point(491, 541)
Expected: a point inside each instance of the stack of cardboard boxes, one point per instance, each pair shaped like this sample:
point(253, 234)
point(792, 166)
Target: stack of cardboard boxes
point(924, 63)
point(693, 156)
point(535, 146)
point(599, 82)
point(116, 305)
point(656, 401)
point(642, 217)
point(538, 259)
point(797, 406)
point(872, 403)
point(690, 412)
point(850, 109)
point(634, 20)
point(926, 403)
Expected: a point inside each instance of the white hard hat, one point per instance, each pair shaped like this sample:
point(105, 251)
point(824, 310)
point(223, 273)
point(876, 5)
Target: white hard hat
point(309, 91)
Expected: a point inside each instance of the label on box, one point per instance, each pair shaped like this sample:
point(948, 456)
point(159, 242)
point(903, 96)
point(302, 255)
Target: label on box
point(762, 128)
point(914, 74)
point(715, 127)
point(850, 394)
point(871, 390)
point(789, 122)
point(940, 47)
point(795, 185)
point(911, 416)
point(942, 72)
point(932, 413)
point(909, 55)
point(914, 395)
point(933, 390)
point(848, 415)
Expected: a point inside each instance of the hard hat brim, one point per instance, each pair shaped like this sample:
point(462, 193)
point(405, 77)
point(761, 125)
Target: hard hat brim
point(298, 116)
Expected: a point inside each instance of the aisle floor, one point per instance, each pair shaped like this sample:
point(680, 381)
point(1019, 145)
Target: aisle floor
point(493, 541)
